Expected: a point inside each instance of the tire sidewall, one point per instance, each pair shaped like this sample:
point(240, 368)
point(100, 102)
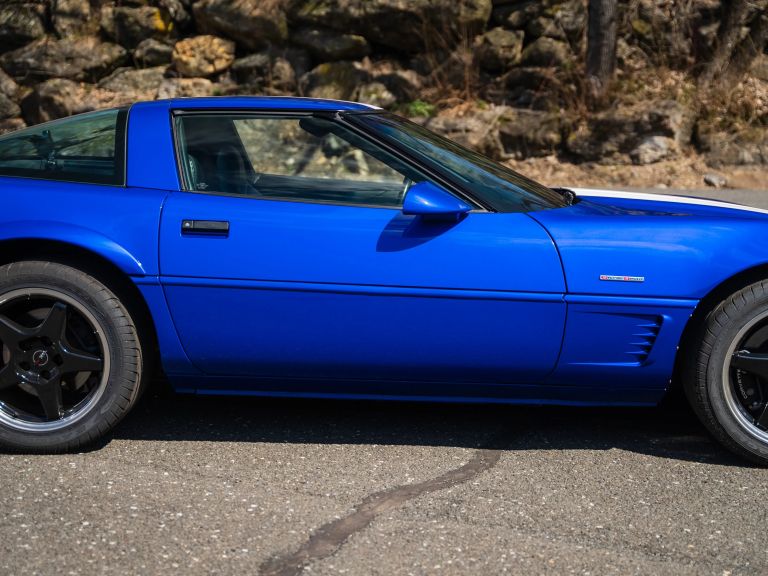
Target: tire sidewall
point(112, 319)
point(745, 312)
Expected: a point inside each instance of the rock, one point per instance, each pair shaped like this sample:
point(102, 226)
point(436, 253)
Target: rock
point(652, 149)
point(543, 26)
point(203, 55)
point(557, 19)
point(83, 58)
point(282, 77)
point(139, 84)
point(630, 57)
point(525, 133)
point(456, 70)
point(534, 78)
point(705, 37)
point(296, 57)
point(614, 135)
point(11, 124)
point(185, 88)
point(253, 24)
point(376, 94)
point(7, 85)
point(397, 24)
point(8, 108)
point(107, 21)
point(546, 52)
point(571, 18)
point(715, 180)
point(403, 84)
point(477, 129)
point(516, 15)
point(528, 87)
point(657, 26)
point(499, 49)
point(20, 23)
point(253, 69)
point(327, 46)
point(73, 17)
point(336, 80)
point(747, 147)
point(177, 12)
point(59, 97)
point(132, 25)
point(276, 70)
point(667, 117)
point(760, 67)
point(151, 52)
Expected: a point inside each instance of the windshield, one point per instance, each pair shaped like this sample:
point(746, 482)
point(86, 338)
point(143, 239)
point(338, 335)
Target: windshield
point(494, 184)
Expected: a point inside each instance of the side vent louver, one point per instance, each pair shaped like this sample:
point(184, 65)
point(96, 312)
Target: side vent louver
point(644, 338)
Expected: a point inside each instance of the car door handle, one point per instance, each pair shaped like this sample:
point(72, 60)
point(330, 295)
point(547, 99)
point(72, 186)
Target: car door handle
point(205, 227)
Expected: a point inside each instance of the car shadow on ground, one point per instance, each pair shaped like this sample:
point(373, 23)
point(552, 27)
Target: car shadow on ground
point(669, 431)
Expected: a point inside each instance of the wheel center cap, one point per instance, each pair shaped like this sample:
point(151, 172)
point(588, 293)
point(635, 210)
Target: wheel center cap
point(40, 358)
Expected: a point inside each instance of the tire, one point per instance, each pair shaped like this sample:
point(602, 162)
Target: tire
point(60, 393)
point(728, 397)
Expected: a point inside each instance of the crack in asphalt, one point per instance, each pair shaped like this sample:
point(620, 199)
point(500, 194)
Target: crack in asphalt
point(327, 539)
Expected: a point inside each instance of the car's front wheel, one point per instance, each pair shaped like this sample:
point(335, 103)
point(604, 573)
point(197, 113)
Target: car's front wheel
point(727, 380)
point(70, 358)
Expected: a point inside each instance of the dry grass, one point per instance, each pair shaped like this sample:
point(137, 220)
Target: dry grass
point(686, 173)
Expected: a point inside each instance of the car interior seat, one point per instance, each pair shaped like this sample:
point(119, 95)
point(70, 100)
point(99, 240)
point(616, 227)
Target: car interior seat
point(233, 176)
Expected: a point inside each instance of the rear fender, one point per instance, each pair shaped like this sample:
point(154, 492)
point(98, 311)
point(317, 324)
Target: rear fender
point(81, 237)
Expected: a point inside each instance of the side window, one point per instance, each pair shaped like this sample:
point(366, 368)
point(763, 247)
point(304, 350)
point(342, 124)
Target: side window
point(86, 148)
point(289, 157)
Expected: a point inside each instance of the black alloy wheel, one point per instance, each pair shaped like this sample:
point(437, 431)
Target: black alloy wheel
point(726, 379)
point(70, 358)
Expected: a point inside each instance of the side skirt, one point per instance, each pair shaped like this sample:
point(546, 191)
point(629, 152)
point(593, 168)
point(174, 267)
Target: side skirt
point(422, 392)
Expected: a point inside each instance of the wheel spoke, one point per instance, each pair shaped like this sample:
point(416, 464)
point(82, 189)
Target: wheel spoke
point(13, 333)
point(8, 377)
point(78, 361)
point(762, 420)
point(49, 394)
point(751, 362)
point(55, 323)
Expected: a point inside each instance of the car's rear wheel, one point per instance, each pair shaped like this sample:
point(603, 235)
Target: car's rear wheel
point(727, 380)
point(70, 358)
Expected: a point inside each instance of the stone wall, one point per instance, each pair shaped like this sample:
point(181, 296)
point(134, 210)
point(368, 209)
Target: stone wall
point(504, 76)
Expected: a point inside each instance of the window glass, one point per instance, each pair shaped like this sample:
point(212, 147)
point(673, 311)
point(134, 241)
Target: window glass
point(297, 158)
point(85, 148)
point(499, 186)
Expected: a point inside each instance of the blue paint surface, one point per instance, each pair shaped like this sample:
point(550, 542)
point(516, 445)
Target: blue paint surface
point(328, 300)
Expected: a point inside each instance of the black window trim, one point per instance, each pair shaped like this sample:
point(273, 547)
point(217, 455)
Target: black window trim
point(333, 115)
point(121, 152)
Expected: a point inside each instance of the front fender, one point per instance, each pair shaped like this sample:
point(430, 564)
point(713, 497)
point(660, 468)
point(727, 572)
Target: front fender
point(654, 249)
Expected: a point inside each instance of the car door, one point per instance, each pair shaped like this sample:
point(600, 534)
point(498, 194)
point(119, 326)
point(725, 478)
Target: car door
point(288, 256)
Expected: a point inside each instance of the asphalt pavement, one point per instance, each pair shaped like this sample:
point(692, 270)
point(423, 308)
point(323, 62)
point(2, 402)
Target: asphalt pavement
point(190, 486)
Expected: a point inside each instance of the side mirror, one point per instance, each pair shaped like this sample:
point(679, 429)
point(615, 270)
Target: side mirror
point(427, 199)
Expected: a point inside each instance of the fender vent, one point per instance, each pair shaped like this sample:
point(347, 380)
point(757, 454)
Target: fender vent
point(644, 338)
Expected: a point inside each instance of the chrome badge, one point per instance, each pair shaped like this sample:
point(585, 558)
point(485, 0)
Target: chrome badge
point(611, 277)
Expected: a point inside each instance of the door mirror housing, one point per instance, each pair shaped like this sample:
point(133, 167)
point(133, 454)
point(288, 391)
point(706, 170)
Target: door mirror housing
point(429, 200)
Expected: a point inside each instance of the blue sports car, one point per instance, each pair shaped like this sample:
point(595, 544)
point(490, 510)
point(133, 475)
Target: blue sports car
point(300, 247)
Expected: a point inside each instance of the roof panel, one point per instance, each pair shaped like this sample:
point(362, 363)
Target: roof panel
point(266, 102)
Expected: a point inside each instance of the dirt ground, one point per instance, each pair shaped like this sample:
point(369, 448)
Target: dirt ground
point(686, 174)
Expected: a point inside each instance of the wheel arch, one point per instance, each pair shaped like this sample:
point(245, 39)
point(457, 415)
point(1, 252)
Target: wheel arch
point(706, 305)
point(100, 267)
